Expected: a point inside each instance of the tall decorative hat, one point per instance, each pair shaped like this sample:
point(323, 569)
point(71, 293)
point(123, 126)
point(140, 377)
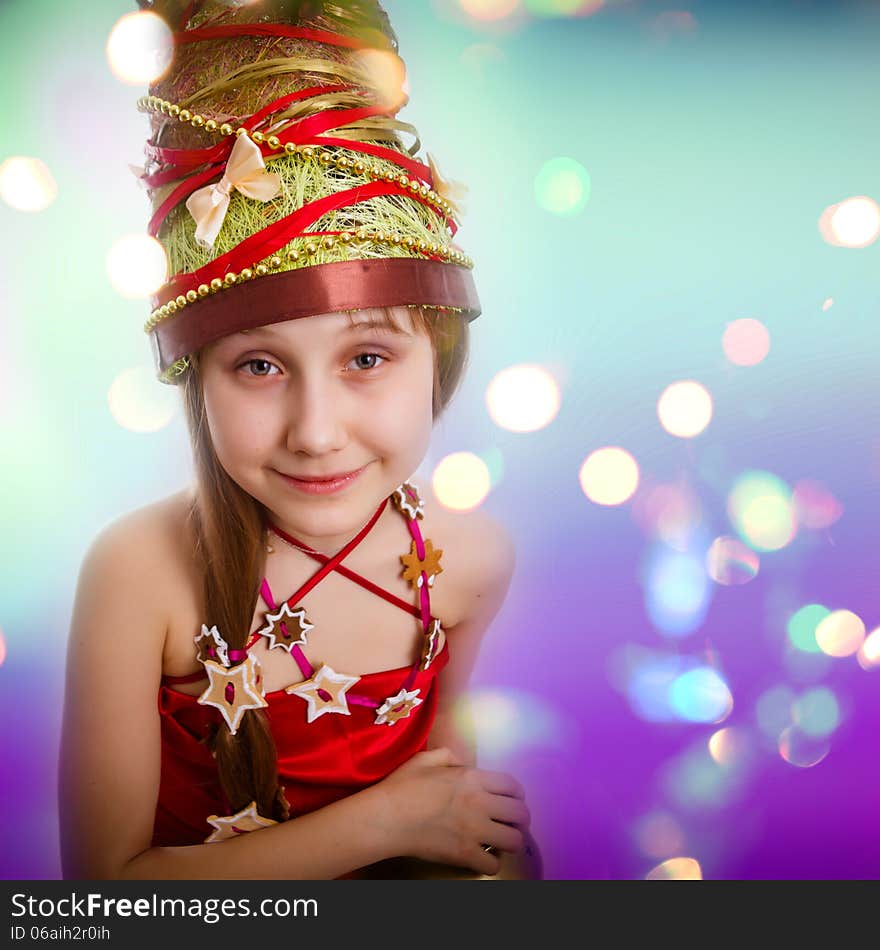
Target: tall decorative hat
point(280, 181)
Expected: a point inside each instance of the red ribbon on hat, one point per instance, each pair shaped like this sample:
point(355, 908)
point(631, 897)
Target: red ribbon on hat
point(270, 239)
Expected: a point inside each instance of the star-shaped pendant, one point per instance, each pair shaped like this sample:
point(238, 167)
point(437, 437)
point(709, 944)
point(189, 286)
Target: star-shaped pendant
point(431, 644)
point(287, 620)
point(408, 501)
point(414, 565)
point(213, 641)
point(332, 685)
point(233, 690)
point(397, 707)
point(238, 824)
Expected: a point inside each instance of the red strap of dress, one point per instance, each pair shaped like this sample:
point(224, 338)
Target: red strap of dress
point(424, 597)
point(332, 562)
point(351, 575)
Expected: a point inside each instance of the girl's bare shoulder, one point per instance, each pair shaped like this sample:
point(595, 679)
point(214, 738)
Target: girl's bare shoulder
point(479, 554)
point(156, 540)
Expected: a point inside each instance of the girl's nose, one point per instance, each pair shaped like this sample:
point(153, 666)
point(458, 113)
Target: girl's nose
point(315, 425)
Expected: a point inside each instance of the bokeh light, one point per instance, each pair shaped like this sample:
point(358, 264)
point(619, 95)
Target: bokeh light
point(669, 512)
point(562, 186)
point(658, 834)
point(729, 746)
point(761, 510)
point(489, 9)
point(140, 48)
point(385, 74)
point(461, 481)
point(563, 8)
point(869, 652)
point(523, 398)
point(695, 781)
point(673, 22)
point(852, 223)
point(504, 721)
point(801, 627)
point(677, 591)
point(140, 404)
point(802, 750)
point(136, 266)
point(701, 695)
point(773, 710)
point(730, 562)
point(685, 409)
point(2, 647)
point(841, 633)
point(746, 342)
point(649, 675)
point(816, 712)
point(26, 184)
point(827, 304)
point(815, 507)
point(609, 476)
point(676, 869)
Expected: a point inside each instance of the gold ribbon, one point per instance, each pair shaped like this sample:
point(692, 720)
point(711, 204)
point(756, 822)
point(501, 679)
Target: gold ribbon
point(246, 172)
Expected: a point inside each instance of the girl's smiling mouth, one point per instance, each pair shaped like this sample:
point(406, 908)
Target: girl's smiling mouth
point(322, 485)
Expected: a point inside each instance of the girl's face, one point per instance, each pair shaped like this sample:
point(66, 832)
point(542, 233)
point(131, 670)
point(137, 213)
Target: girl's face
point(312, 398)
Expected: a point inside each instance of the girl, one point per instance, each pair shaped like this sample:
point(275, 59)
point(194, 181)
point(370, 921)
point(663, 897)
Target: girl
point(317, 323)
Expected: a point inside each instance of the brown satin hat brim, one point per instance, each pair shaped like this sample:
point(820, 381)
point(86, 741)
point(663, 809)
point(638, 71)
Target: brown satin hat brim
point(310, 291)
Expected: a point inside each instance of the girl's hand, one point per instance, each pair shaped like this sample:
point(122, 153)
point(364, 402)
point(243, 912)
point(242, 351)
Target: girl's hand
point(440, 810)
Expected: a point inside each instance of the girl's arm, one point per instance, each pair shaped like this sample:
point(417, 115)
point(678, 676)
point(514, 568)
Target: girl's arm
point(110, 751)
point(488, 550)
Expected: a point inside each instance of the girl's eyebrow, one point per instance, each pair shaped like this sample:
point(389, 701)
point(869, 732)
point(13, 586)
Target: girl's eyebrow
point(371, 324)
point(375, 324)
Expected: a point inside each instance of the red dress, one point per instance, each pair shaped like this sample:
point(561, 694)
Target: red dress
point(319, 761)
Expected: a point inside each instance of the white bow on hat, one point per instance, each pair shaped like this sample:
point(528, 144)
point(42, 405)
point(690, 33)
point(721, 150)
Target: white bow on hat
point(245, 171)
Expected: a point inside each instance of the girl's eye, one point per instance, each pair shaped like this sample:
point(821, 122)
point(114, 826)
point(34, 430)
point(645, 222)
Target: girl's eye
point(368, 356)
point(258, 362)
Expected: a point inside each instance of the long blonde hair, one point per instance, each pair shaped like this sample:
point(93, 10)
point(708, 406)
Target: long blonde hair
point(228, 531)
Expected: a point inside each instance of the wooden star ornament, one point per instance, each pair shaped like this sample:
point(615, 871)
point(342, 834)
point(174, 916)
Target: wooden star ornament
point(414, 565)
point(324, 692)
point(233, 690)
point(213, 640)
point(408, 501)
point(397, 707)
point(285, 622)
point(238, 824)
point(430, 644)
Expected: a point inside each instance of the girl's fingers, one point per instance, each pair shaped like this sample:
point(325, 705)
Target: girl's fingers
point(505, 837)
point(508, 809)
point(500, 783)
